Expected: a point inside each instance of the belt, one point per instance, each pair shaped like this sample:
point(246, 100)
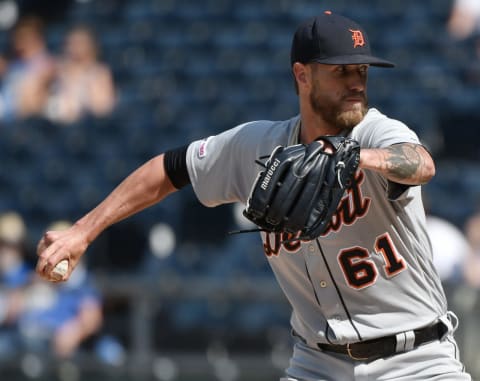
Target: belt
point(385, 346)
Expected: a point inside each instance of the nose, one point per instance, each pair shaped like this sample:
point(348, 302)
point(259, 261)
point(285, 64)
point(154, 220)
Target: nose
point(356, 78)
point(357, 82)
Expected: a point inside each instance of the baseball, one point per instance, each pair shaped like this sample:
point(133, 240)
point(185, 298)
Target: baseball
point(60, 270)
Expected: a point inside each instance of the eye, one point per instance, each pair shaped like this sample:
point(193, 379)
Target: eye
point(363, 69)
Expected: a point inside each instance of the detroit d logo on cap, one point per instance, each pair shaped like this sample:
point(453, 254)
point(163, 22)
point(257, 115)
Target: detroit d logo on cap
point(357, 37)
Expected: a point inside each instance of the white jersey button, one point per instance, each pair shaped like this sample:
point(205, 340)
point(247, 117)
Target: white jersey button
point(311, 248)
point(323, 284)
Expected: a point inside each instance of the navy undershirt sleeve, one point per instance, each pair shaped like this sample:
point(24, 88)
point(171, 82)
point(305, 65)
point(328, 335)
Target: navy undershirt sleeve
point(175, 164)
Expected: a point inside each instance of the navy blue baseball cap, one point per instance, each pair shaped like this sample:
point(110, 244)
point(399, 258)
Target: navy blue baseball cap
point(333, 39)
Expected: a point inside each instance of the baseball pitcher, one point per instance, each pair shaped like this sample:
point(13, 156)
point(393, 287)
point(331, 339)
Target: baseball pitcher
point(335, 193)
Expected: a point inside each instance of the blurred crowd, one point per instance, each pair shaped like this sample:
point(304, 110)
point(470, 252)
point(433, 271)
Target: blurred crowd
point(456, 253)
point(463, 26)
point(464, 21)
point(58, 320)
point(62, 86)
point(37, 317)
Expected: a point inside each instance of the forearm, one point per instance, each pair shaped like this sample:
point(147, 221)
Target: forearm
point(144, 187)
point(405, 163)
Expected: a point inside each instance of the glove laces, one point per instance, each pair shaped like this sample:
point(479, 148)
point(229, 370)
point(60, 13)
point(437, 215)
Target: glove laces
point(339, 167)
point(254, 230)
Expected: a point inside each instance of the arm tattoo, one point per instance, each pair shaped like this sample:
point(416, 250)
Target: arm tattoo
point(404, 160)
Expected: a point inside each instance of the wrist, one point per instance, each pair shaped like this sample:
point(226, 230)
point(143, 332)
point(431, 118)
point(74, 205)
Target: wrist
point(85, 231)
point(365, 155)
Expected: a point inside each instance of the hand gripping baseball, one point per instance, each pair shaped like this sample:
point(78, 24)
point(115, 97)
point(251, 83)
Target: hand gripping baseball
point(59, 252)
point(301, 186)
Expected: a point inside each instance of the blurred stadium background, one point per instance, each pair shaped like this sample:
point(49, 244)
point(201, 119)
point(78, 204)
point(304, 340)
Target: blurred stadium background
point(183, 300)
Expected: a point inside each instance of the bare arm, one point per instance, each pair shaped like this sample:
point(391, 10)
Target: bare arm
point(404, 163)
point(144, 187)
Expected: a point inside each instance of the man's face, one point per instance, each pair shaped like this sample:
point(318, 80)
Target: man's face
point(339, 93)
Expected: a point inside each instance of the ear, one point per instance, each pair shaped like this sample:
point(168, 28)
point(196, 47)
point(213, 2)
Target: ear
point(300, 72)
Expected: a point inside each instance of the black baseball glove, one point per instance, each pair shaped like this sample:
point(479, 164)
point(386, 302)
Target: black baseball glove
point(301, 186)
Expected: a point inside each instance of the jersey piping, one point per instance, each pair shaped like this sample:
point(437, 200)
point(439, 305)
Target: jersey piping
point(338, 291)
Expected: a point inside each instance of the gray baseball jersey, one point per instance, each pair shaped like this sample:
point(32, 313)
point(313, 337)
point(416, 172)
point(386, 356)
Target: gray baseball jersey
point(371, 273)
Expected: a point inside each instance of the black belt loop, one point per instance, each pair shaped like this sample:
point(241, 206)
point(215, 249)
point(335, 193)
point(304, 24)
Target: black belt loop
point(385, 346)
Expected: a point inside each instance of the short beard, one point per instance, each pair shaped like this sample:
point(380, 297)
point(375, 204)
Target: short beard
point(349, 119)
point(333, 115)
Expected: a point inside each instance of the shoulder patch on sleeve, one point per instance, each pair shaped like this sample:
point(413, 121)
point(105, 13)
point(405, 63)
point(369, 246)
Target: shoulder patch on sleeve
point(202, 148)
